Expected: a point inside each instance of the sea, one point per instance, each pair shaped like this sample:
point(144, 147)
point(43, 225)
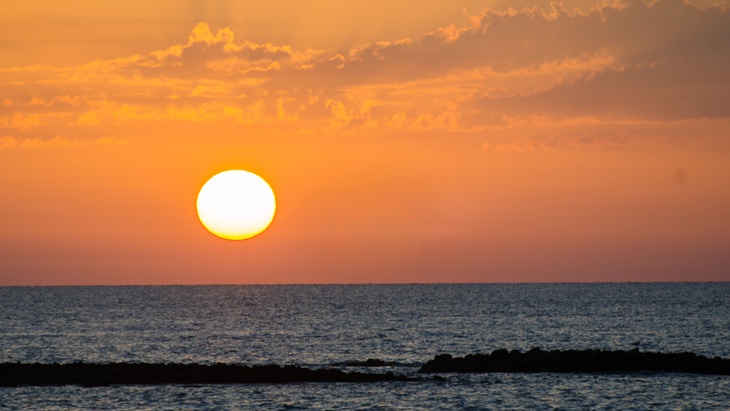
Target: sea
point(322, 326)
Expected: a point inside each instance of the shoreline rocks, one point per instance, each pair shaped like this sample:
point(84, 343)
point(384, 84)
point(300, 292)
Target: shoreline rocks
point(572, 361)
point(370, 362)
point(532, 361)
point(86, 374)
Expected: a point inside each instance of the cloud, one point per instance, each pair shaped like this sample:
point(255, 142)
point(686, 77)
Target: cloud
point(668, 64)
point(10, 142)
point(21, 121)
point(581, 142)
point(611, 63)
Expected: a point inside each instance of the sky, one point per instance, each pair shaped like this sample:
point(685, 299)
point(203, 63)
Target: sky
point(406, 142)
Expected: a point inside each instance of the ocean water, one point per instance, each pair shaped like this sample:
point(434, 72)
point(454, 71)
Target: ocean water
point(321, 325)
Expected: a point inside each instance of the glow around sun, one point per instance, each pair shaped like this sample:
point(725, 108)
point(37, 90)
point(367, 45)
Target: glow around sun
point(236, 205)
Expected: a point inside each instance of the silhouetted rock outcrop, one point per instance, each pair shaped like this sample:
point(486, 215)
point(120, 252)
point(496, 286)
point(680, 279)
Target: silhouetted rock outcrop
point(571, 361)
point(535, 360)
point(14, 374)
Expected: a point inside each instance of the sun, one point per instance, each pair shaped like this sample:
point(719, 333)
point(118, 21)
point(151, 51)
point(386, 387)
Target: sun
point(236, 205)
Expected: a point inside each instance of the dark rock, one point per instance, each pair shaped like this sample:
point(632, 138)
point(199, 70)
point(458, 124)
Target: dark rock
point(572, 361)
point(85, 374)
point(370, 362)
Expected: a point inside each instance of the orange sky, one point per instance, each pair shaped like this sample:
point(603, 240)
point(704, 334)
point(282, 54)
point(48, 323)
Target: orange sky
point(464, 141)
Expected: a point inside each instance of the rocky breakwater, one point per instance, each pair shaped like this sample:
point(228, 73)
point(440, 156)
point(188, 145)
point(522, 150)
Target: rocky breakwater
point(572, 361)
point(85, 374)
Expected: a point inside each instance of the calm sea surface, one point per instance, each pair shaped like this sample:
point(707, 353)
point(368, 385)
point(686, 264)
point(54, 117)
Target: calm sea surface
point(319, 325)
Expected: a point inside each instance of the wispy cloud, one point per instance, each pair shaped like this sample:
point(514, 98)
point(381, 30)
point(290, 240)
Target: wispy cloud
point(9, 142)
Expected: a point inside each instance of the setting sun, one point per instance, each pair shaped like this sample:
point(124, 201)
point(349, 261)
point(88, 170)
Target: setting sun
point(236, 205)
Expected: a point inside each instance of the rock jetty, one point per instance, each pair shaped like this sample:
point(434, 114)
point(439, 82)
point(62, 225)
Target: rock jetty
point(532, 361)
point(370, 362)
point(86, 374)
point(572, 361)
